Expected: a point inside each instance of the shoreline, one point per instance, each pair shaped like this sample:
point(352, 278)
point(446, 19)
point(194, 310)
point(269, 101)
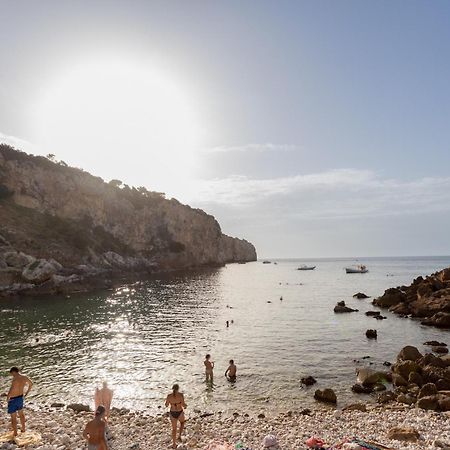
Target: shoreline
point(62, 428)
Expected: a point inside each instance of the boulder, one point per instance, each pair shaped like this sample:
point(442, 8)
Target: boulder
point(371, 334)
point(360, 295)
point(431, 360)
point(17, 260)
point(443, 385)
point(427, 390)
point(39, 271)
point(342, 308)
point(403, 434)
point(431, 374)
point(415, 378)
point(325, 395)
point(360, 389)
point(373, 313)
point(57, 405)
point(398, 380)
point(406, 399)
point(386, 397)
point(429, 402)
point(78, 407)
point(441, 350)
point(435, 344)
point(444, 402)
point(404, 368)
point(439, 320)
point(379, 387)
point(401, 308)
point(445, 360)
point(367, 377)
point(391, 297)
point(409, 353)
point(308, 381)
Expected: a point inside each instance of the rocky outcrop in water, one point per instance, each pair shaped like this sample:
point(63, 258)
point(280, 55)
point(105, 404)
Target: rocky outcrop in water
point(61, 226)
point(426, 298)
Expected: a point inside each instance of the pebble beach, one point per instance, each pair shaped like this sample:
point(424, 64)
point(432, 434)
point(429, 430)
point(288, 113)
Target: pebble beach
point(61, 429)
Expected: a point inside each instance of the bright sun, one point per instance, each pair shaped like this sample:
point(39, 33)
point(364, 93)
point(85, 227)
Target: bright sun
point(119, 119)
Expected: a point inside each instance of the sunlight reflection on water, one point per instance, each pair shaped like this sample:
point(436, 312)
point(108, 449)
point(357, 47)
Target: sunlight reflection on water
point(144, 337)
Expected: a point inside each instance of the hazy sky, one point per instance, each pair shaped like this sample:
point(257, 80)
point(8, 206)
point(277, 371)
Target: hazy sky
point(311, 128)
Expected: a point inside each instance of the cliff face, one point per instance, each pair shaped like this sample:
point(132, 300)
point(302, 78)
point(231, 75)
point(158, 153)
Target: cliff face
point(50, 210)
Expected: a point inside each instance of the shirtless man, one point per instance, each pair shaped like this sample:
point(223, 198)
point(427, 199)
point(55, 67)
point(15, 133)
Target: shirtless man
point(15, 398)
point(95, 430)
point(104, 397)
point(230, 373)
point(209, 366)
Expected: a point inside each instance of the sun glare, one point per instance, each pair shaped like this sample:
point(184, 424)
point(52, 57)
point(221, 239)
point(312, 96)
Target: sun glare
point(115, 118)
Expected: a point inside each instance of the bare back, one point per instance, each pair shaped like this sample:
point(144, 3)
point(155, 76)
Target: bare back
point(176, 401)
point(18, 385)
point(95, 433)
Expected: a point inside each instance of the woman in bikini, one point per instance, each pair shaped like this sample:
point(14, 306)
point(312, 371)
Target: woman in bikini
point(176, 402)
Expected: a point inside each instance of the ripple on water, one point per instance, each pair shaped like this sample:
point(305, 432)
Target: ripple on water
point(144, 337)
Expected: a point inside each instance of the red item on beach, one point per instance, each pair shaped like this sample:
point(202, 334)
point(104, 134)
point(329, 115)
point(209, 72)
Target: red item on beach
point(314, 442)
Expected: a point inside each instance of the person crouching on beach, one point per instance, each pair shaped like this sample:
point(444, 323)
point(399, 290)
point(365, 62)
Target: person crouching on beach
point(15, 398)
point(95, 431)
point(209, 367)
point(177, 404)
point(230, 373)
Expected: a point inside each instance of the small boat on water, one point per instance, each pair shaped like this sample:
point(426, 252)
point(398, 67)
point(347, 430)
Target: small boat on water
point(267, 262)
point(358, 269)
point(304, 267)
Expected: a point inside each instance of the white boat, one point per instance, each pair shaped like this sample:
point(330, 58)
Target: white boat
point(304, 267)
point(358, 269)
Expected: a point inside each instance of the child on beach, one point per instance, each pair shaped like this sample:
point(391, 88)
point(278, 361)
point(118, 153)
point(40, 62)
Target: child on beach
point(209, 366)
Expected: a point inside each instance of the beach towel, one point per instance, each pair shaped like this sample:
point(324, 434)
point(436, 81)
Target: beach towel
point(6, 437)
point(27, 438)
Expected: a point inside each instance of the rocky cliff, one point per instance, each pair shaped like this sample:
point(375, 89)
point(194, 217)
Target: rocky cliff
point(60, 216)
point(426, 298)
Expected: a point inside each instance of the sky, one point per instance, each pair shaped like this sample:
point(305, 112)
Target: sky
point(311, 128)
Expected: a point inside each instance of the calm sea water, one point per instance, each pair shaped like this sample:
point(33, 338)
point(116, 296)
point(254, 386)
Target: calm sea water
point(144, 337)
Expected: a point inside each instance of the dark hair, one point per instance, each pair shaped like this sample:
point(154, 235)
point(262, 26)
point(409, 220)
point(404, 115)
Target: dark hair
point(175, 388)
point(208, 356)
point(100, 410)
point(14, 369)
point(231, 361)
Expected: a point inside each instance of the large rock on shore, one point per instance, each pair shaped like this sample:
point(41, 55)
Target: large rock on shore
point(39, 271)
point(427, 298)
point(325, 395)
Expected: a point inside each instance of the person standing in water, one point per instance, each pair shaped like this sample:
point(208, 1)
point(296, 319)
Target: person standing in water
point(104, 397)
point(95, 431)
point(230, 373)
point(15, 398)
point(177, 404)
point(209, 367)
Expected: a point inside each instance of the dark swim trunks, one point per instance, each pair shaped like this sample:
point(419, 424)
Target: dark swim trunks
point(176, 414)
point(15, 404)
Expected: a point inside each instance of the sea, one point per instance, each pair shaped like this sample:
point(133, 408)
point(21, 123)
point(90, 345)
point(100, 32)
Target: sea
point(145, 336)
